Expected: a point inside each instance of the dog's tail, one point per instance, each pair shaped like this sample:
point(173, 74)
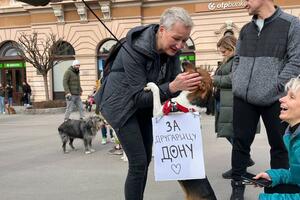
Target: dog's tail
point(156, 98)
point(198, 189)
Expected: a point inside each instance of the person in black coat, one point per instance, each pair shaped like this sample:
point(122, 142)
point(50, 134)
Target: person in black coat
point(9, 94)
point(26, 93)
point(154, 57)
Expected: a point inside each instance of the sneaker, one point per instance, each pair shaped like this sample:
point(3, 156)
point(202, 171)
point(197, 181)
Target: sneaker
point(115, 151)
point(227, 174)
point(103, 141)
point(92, 150)
point(88, 152)
point(238, 190)
point(251, 162)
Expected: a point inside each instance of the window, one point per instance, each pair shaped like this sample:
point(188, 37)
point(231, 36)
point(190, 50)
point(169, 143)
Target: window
point(64, 53)
point(188, 53)
point(189, 45)
point(8, 49)
point(106, 46)
point(228, 32)
point(64, 49)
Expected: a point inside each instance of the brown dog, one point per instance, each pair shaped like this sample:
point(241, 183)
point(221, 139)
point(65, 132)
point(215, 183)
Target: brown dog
point(9, 109)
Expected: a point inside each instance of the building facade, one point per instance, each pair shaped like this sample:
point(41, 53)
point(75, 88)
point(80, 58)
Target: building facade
point(88, 41)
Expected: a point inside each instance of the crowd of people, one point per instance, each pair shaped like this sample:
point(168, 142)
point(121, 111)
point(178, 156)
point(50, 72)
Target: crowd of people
point(257, 78)
point(6, 96)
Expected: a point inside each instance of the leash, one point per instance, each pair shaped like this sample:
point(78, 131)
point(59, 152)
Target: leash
point(118, 41)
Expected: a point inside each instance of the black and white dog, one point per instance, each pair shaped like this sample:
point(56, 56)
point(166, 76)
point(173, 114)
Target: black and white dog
point(83, 129)
point(196, 189)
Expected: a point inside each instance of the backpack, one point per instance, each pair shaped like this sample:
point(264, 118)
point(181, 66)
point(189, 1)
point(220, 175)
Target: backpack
point(111, 58)
point(107, 69)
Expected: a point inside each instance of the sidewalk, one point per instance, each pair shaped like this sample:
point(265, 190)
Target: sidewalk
point(23, 110)
point(33, 167)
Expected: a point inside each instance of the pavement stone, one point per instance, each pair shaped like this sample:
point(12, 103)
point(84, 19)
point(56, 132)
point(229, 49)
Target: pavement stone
point(33, 167)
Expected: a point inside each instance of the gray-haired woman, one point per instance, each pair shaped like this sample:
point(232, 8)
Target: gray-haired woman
point(154, 57)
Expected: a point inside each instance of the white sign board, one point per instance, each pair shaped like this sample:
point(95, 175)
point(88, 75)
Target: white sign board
point(178, 152)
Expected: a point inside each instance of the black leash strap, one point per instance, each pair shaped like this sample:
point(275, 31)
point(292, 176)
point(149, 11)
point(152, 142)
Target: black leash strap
point(109, 30)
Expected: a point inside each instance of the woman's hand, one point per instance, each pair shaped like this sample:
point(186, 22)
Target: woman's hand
point(185, 81)
point(262, 175)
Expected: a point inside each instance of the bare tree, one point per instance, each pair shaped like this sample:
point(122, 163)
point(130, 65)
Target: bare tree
point(41, 54)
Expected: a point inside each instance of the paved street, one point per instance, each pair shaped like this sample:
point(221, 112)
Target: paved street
point(33, 167)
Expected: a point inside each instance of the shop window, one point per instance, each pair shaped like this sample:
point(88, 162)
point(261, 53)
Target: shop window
point(188, 53)
point(64, 54)
point(12, 69)
point(103, 51)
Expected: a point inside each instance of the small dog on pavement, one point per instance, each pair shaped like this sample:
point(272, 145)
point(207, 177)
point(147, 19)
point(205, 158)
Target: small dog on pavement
point(83, 129)
point(196, 189)
point(9, 109)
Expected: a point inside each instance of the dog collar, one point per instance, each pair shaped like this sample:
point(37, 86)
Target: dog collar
point(170, 106)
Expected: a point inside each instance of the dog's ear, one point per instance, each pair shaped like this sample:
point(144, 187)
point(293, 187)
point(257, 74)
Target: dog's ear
point(204, 91)
point(89, 124)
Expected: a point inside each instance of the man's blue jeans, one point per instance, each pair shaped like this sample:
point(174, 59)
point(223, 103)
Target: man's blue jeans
point(2, 106)
point(75, 100)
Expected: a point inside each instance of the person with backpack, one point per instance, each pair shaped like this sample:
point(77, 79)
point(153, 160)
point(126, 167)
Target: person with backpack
point(148, 54)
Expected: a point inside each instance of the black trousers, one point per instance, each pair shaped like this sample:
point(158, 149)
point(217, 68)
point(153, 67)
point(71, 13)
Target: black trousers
point(136, 140)
point(245, 119)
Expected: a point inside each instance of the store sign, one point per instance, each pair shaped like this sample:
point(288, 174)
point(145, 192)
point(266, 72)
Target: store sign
point(12, 65)
point(226, 5)
point(190, 58)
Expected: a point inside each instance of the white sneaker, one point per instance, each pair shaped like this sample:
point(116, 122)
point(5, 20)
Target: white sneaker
point(87, 152)
point(113, 140)
point(103, 141)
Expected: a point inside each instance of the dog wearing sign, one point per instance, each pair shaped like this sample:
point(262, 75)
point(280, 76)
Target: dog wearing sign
point(186, 101)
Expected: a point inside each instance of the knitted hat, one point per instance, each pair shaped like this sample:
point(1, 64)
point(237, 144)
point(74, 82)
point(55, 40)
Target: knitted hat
point(75, 62)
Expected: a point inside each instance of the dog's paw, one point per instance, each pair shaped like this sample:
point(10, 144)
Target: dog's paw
point(150, 86)
point(147, 88)
point(124, 158)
